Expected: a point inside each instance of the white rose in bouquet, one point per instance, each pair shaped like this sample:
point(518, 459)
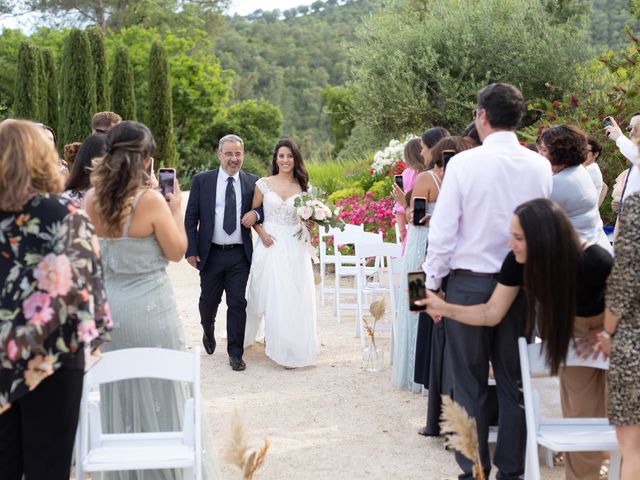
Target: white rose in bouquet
point(319, 214)
point(305, 212)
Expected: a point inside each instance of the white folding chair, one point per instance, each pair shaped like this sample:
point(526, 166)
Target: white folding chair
point(346, 266)
point(561, 434)
point(383, 253)
point(101, 452)
point(331, 259)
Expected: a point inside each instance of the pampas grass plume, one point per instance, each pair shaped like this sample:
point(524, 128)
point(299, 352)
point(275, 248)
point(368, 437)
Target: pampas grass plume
point(239, 453)
point(461, 433)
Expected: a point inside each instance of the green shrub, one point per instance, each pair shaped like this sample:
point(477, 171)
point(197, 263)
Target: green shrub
point(381, 189)
point(341, 194)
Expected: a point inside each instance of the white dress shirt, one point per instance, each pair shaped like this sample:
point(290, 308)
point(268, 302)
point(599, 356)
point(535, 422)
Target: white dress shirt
point(596, 177)
point(219, 235)
point(630, 151)
point(482, 187)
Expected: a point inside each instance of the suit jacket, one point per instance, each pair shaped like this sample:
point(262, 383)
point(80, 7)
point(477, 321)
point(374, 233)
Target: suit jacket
point(200, 215)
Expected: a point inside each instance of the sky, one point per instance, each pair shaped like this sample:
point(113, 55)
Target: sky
point(241, 7)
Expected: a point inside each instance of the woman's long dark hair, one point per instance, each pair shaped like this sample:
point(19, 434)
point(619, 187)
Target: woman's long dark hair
point(550, 274)
point(94, 146)
point(299, 170)
point(121, 173)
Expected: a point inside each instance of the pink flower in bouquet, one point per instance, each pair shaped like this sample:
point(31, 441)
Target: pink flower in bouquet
point(54, 274)
point(305, 212)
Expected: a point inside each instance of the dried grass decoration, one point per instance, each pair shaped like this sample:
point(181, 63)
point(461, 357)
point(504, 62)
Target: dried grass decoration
point(239, 453)
point(372, 356)
point(461, 433)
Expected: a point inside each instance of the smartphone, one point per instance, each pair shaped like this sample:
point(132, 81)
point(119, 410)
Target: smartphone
point(607, 122)
point(419, 210)
point(166, 179)
point(417, 289)
point(446, 156)
point(399, 181)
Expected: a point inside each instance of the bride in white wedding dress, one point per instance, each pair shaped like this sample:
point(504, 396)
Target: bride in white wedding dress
point(281, 289)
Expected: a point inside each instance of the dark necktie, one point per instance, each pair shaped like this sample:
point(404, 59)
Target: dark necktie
point(230, 221)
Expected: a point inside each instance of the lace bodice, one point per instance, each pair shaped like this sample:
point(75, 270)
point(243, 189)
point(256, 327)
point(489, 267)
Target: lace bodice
point(277, 210)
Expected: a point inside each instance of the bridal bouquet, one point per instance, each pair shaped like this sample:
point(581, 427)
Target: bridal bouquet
point(310, 207)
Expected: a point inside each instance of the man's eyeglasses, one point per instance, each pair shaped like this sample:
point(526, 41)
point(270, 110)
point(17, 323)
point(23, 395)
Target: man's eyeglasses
point(230, 155)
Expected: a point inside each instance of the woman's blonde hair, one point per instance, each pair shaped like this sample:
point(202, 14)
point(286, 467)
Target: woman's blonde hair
point(28, 164)
point(121, 173)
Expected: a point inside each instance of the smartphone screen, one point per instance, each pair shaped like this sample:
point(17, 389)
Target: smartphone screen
point(166, 178)
point(399, 182)
point(446, 156)
point(417, 290)
point(607, 121)
point(419, 210)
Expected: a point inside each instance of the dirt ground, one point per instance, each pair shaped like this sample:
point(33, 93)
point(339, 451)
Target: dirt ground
point(332, 421)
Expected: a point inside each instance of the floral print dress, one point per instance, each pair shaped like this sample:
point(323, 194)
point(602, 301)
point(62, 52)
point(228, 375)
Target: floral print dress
point(53, 301)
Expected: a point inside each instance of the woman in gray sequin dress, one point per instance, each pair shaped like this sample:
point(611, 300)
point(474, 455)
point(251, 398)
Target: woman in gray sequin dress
point(139, 233)
point(621, 338)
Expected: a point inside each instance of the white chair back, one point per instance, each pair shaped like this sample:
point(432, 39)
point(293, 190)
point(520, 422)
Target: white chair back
point(96, 451)
point(571, 434)
point(326, 259)
point(345, 266)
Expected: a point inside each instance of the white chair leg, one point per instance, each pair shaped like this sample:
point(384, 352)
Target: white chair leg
point(189, 474)
point(614, 465)
point(322, 283)
point(548, 457)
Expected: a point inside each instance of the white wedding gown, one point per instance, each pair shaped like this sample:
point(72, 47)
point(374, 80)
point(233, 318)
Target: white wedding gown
point(281, 290)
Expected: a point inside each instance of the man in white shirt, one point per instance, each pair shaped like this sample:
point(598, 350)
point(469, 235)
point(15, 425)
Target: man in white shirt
point(628, 148)
point(468, 238)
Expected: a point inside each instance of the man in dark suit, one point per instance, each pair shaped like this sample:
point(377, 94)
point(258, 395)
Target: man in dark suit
point(218, 222)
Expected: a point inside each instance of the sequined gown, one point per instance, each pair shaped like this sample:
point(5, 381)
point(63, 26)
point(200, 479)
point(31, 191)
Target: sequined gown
point(144, 311)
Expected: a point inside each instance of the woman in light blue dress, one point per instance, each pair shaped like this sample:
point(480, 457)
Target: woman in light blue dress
point(140, 232)
point(405, 329)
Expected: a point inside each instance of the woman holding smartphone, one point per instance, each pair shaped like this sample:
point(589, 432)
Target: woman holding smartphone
point(423, 200)
point(140, 232)
point(548, 257)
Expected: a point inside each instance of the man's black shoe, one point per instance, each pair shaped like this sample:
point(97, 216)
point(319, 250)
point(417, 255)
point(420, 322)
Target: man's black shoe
point(209, 343)
point(237, 363)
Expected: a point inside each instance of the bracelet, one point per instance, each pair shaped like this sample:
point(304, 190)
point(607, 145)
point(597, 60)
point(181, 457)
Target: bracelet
point(607, 335)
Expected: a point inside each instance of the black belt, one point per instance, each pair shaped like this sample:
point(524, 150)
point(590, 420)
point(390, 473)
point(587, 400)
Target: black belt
point(231, 246)
point(470, 273)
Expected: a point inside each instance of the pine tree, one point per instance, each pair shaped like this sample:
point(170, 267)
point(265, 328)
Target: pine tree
point(52, 88)
point(26, 102)
point(160, 111)
point(123, 101)
point(78, 99)
point(43, 86)
point(96, 38)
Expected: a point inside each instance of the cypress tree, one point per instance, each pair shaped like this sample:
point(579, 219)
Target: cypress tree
point(26, 102)
point(43, 86)
point(78, 99)
point(160, 111)
point(52, 88)
point(96, 38)
point(123, 101)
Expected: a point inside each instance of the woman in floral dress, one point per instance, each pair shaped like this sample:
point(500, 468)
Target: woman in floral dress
point(52, 304)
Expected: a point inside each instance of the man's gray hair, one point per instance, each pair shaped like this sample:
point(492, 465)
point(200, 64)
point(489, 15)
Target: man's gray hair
point(230, 138)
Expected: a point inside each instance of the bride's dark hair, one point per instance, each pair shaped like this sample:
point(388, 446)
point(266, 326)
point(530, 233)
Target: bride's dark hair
point(299, 170)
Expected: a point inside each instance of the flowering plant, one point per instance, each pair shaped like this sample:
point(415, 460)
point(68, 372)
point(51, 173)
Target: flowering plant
point(390, 159)
point(375, 215)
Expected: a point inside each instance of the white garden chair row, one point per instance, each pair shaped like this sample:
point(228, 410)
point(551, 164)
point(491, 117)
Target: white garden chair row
point(102, 452)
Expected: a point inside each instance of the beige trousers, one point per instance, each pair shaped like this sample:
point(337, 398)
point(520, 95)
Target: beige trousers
point(583, 393)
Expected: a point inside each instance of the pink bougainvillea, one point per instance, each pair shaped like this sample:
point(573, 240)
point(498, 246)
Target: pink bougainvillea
point(375, 215)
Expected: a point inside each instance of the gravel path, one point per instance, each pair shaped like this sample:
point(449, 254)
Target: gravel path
point(332, 421)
